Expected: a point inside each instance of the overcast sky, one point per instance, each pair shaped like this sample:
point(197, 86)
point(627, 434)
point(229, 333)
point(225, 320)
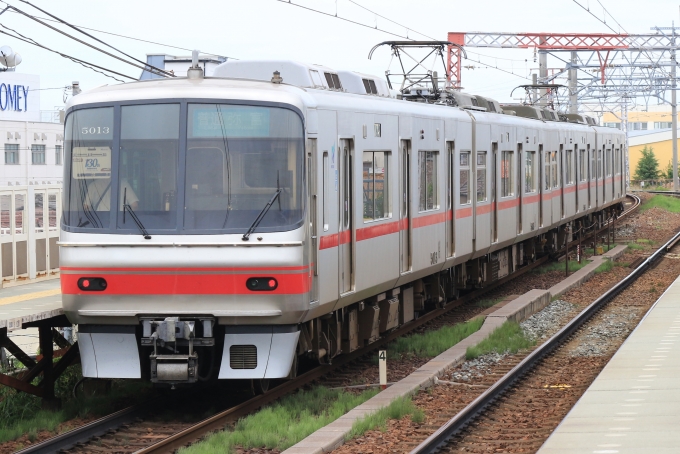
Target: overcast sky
point(266, 29)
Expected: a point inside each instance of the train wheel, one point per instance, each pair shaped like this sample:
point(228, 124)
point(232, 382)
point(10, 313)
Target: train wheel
point(260, 386)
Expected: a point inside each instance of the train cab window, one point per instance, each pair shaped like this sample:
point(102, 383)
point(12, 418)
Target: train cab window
point(481, 176)
point(464, 178)
point(583, 162)
point(88, 141)
point(147, 176)
point(375, 184)
point(529, 173)
point(507, 174)
point(427, 181)
point(238, 159)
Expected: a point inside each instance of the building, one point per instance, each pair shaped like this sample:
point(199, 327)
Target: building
point(654, 118)
point(32, 150)
point(651, 128)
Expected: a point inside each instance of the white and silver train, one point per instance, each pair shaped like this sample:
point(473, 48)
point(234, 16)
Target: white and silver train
point(280, 210)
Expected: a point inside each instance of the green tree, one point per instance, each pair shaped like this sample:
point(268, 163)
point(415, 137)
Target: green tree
point(648, 166)
point(668, 171)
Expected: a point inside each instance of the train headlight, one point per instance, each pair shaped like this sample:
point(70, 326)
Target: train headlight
point(92, 284)
point(262, 284)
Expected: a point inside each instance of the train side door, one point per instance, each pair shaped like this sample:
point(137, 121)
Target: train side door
point(577, 176)
point(520, 192)
point(345, 232)
point(405, 207)
point(562, 170)
point(494, 196)
point(312, 190)
point(541, 186)
point(450, 199)
point(589, 174)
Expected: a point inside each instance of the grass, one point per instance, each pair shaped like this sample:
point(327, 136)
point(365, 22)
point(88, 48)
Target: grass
point(286, 422)
point(663, 202)
point(26, 416)
point(635, 246)
point(399, 408)
point(607, 265)
point(488, 302)
point(559, 266)
point(644, 241)
point(507, 338)
point(432, 343)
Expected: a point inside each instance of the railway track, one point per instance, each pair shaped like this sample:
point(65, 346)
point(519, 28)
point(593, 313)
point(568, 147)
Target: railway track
point(501, 418)
point(131, 429)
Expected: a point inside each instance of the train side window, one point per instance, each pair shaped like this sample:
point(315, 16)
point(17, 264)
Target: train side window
point(593, 165)
point(570, 167)
point(507, 174)
point(583, 159)
point(529, 174)
point(607, 163)
point(427, 183)
point(375, 184)
point(599, 163)
point(324, 189)
point(464, 177)
point(546, 173)
point(481, 176)
point(555, 172)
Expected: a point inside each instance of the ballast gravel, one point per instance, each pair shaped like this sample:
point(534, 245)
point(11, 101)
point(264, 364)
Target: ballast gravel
point(545, 322)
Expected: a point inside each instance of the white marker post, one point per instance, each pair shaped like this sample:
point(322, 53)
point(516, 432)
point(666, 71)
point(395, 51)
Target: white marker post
point(382, 365)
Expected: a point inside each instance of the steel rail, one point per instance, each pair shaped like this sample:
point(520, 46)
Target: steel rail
point(81, 434)
point(441, 437)
point(218, 421)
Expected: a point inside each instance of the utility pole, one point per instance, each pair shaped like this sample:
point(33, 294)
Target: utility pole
point(674, 112)
point(573, 92)
point(543, 73)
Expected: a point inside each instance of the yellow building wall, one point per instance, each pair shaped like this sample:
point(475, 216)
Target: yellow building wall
point(664, 116)
point(662, 150)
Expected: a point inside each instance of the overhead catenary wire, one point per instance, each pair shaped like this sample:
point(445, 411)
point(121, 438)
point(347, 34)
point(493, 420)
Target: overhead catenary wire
point(84, 63)
point(289, 2)
point(152, 68)
point(47, 19)
point(77, 39)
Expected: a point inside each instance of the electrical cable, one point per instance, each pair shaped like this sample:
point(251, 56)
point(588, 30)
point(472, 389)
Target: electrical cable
point(390, 20)
point(154, 68)
point(84, 63)
point(77, 39)
point(133, 38)
point(388, 32)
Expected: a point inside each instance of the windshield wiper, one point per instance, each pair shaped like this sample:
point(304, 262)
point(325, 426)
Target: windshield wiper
point(261, 215)
point(127, 207)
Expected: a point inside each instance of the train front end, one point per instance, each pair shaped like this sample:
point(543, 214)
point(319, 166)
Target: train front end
point(182, 245)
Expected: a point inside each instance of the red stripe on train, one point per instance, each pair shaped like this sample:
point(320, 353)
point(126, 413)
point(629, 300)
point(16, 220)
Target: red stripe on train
point(184, 284)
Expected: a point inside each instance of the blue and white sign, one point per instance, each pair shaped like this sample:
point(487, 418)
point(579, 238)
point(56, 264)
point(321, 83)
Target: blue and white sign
point(19, 96)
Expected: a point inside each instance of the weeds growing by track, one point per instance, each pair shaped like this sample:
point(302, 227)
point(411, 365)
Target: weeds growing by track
point(507, 338)
point(431, 343)
point(399, 408)
point(607, 265)
point(559, 266)
point(671, 204)
point(286, 422)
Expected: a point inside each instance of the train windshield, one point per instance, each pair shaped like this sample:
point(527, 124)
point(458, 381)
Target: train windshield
point(234, 158)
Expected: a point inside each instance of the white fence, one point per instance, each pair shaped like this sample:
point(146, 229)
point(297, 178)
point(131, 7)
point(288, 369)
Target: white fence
point(29, 231)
